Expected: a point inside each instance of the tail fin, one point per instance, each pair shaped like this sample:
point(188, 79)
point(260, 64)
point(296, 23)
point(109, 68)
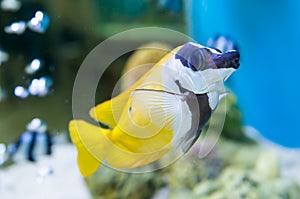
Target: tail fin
point(94, 147)
point(87, 140)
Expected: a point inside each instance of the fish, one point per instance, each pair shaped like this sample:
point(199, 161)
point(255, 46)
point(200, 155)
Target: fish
point(35, 142)
point(165, 110)
point(223, 43)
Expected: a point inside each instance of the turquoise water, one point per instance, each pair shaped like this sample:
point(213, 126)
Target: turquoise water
point(267, 33)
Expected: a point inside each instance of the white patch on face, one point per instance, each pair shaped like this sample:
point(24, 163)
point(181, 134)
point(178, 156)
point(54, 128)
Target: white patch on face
point(219, 74)
point(205, 81)
point(199, 82)
point(173, 71)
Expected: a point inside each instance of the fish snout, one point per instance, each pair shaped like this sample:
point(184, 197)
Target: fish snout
point(233, 59)
point(230, 59)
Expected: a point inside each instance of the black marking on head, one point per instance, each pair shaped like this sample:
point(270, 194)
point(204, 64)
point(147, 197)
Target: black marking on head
point(227, 60)
point(104, 126)
point(192, 56)
point(198, 59)
point(199, 118)
point(218, 50)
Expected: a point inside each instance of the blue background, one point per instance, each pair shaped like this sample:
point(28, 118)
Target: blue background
point(267, 83)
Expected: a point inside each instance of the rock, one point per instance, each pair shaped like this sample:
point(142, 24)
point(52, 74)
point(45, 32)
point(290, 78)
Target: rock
point(239, 183)
point(162, 193)
point(246, 156)
point(110, 183)
point(240, 154)
point(267, 164)
point(182, 193)
point(190, 177)
point(205, 188)
point(279, 188)
point(233, 125)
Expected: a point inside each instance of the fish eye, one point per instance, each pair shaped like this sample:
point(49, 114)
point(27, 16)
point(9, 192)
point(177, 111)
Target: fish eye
point(193, 57)
point(196, 60)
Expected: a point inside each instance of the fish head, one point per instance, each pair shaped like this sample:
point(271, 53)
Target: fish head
point(203, 69)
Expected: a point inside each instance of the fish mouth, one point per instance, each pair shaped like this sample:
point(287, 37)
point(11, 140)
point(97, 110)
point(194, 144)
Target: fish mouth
point(230, 59)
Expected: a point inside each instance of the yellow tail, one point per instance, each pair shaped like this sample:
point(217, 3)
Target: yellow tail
point(94, 146)
point(87, 139)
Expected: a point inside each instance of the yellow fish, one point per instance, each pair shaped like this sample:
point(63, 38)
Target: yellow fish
point(164, 110)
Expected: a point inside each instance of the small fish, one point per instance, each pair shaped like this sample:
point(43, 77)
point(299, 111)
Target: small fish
point(17, 28)
point(4, 56)
point(39, 23)
point(33, 143)
point(223, 43)
point(164, 110)
point(11, 5)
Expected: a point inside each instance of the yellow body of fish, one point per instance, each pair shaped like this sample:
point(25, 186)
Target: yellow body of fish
point(147, 120)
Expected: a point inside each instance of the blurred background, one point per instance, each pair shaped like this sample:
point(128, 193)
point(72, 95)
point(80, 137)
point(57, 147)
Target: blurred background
point(43, 44)
point(73, 31)
point(266, 85)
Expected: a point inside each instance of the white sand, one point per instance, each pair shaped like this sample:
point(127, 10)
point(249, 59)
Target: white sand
point(33, 180)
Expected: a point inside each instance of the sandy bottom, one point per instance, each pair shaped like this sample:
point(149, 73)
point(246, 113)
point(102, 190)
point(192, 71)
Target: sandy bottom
point(53, 177)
